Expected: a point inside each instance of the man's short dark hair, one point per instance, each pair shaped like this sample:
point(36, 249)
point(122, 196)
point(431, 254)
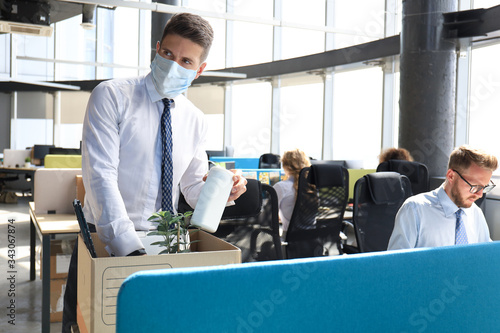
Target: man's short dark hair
point(192, 27)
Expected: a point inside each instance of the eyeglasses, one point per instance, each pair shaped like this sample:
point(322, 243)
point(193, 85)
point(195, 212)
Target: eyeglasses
point(477, 188)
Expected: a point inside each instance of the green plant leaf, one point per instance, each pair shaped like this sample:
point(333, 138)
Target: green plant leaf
point(173, 228)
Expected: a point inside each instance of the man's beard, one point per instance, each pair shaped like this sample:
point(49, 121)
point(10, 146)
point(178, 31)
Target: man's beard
point(458, 199)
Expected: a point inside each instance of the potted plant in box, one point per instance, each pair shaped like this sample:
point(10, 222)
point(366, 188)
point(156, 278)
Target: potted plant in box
point(174, 229)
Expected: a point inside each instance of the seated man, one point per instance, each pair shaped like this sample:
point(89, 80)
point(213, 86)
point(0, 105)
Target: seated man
point(448, 215)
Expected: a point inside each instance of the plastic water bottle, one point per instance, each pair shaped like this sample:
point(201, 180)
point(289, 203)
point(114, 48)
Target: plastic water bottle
point(213, 199)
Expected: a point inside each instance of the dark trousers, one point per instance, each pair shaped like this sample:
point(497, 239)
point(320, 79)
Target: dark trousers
point(69, 309)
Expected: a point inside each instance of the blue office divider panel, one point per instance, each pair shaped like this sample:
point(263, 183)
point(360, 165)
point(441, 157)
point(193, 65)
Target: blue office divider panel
point(448, 289)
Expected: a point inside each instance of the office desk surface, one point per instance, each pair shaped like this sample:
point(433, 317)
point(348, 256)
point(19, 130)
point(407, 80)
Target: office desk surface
point(54, 223)
point(17, 170)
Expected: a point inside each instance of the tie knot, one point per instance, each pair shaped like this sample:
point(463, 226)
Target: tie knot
point(166, 102)
point(459, 213)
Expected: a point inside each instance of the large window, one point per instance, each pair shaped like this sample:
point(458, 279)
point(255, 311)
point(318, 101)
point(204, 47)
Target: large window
point(5, 56)
point(75, 44)
point(357, 121)
point(217, 56)
point(301, 118)
point(302, 41)
point(365, 24)
point(252, 44)
point(246, 33)
point(38, 47)
point(484, 99)
point(251, 119)
point(126, 50)
point(485, 3)
point(104, 52)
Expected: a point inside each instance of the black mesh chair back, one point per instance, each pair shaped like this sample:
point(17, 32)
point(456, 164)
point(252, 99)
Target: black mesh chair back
point(252, 224)
point(265, 241)
point(377, 199)
point(318, 213)
point(417, 173)
point(269, 161)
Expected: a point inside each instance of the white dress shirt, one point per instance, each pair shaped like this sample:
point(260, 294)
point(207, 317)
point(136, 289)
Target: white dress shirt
point(286, 200)
point(121, 158)
point(429, 220)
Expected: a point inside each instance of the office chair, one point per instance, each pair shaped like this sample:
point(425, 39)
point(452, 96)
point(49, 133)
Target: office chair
point(317, 216)
point(265, 241)
point(337, 162)
point(270, 161)
point(377, 199)
point(417, 173)
point(252, 224)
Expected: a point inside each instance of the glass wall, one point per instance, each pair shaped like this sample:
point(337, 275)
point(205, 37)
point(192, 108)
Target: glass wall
point(105, 50)
point(302, 41)
point(5, 56)
point(217, 56)
point(36, 47)
point(252, 43)
point(301, 119)
point(365, 25)
point(80, 47)
point(247, 33)
point(125, 50)
point(357, 120)
point(484, 98)
point(249, 50)
point(251, 119)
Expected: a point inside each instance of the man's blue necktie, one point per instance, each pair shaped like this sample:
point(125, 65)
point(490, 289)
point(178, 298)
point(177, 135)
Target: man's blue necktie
point(460, 233)
point(166, 160)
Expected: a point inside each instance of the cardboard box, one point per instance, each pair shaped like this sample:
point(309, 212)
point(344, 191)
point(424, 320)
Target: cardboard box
point(57, 289)
point(60, 256)
point(99, 279)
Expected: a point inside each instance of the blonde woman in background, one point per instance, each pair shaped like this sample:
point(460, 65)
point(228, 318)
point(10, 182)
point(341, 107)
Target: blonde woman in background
point(292, 162)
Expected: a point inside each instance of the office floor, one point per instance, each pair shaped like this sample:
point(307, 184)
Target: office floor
point(28, 294)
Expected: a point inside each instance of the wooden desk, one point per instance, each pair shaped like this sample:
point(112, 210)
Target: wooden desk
point(46, 226)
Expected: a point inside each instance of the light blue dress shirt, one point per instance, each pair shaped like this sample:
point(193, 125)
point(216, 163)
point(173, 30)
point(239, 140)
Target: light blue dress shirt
point(121, 158)
point(286, 200)
point(428, 220)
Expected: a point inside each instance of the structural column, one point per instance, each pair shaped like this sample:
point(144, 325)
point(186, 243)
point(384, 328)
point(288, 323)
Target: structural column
point(428, 81)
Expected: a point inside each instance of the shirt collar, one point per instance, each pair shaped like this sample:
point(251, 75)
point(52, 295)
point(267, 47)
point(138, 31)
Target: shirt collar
point(449, 206)
point(152, 92)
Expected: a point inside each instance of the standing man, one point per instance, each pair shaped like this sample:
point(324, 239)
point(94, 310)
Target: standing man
point(143, 144)
point(448, 215)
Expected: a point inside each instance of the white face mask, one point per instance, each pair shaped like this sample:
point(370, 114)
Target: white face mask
point(169, 78)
